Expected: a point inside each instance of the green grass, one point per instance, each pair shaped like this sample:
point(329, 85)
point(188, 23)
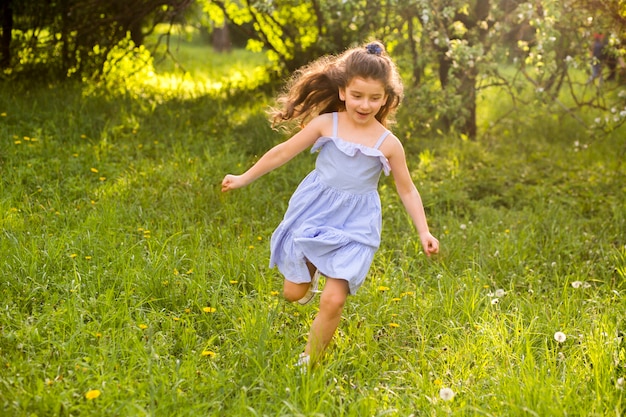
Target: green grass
point(126, 271)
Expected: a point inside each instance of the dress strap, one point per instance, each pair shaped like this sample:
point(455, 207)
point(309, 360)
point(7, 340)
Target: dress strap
point(382, 139)
point(335, 124)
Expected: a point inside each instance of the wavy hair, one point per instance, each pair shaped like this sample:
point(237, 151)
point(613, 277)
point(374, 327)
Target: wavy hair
point(314, 88)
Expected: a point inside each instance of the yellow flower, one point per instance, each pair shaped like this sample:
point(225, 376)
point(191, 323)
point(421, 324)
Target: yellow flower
point(208, 353)
point(73, 255)
point(88, 257)
point(382, 288)
point(232, 281)
point(274, 293)
point(94, 170)
point(209, 309)
point(394, 325)
point(143, 326)
point(92, 394)
point(396, 299)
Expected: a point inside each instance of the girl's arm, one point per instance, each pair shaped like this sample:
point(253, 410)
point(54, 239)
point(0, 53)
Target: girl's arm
point(408, 193)
point(279, 154)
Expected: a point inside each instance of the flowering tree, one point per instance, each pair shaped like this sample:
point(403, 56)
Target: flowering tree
point(468, 45)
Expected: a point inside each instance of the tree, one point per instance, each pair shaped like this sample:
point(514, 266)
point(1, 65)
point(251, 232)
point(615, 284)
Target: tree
point(72, 37)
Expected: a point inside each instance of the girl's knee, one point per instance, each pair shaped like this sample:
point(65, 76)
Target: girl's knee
point(293, 291)
point(333, 302)
point(334, 296)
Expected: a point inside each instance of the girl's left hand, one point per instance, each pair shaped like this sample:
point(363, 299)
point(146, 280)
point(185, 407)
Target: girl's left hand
point(430, 244)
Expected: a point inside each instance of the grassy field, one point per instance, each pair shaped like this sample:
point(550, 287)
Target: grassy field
point(132, 287)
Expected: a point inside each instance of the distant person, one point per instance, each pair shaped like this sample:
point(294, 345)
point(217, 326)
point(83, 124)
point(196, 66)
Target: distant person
point(332, 226)
point(598, 57)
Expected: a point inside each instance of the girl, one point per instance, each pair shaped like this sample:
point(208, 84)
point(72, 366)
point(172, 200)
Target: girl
point(333, 223)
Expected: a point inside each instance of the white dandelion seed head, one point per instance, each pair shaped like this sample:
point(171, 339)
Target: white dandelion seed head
point(496, 254)
point(577, 284)
point(620, 382)
point(495, 301)
point(560, 337)
point(500, 293)
point(463, 226)
point(553, 264)
point(446, 394)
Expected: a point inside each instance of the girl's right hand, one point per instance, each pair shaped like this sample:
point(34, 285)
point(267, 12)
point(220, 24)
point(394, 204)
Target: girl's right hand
point(230, 182)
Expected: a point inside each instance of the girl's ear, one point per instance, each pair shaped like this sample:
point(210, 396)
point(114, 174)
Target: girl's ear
point(342, 94)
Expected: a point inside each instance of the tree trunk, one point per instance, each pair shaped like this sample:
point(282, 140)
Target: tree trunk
point(5, 39)
point(221, 39)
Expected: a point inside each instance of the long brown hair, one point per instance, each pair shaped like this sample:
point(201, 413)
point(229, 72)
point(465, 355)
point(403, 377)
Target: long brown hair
point(314, 89)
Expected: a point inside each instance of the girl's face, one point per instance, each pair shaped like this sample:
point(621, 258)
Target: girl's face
point(363, 97)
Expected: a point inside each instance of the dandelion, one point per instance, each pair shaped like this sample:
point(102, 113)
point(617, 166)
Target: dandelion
point(143, 326)
point(94, 170)
point(274, 293)
point(560, 337)
point(209, 309)
point(577, 284)
point(620, 382)
point(500, 293)
point(208, 353)
point(73, 255)
point(495, 301)
point(92, 394)
point(382, 288)
point(446, 394)
point(232, 281)
point(463, 226)
point(394, 325)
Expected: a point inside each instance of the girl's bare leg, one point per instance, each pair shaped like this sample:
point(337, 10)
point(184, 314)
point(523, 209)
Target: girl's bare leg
point(327, 320)
point(293, 291)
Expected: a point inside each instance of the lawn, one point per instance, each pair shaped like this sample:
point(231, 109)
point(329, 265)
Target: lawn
point(132, 287)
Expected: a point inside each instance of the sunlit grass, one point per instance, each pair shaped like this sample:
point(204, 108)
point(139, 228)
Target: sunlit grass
point(186, 63)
